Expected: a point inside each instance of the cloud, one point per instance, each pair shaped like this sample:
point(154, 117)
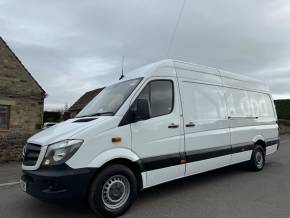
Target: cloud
point(74, 46)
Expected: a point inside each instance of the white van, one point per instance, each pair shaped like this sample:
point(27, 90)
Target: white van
point(164, 121)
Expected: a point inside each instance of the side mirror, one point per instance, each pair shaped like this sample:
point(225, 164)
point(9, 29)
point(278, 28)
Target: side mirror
point(142, 110)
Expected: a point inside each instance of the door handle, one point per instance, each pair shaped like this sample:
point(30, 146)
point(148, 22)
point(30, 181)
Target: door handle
point(172, 125)
point(190, 124)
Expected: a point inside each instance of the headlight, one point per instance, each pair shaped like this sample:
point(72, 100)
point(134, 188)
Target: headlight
point(60, 152)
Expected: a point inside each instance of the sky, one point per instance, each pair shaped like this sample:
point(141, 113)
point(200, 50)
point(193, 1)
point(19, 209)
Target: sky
point(73, 46)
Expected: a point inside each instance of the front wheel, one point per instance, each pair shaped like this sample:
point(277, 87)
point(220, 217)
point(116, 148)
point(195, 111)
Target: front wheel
point(113, 191)
point(257, 161)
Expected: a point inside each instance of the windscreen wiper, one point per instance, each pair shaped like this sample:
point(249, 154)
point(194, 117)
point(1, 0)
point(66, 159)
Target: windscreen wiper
point(102, 113)
point(99, 114)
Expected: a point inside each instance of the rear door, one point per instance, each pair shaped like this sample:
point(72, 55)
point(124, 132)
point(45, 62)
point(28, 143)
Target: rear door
point(206, 126)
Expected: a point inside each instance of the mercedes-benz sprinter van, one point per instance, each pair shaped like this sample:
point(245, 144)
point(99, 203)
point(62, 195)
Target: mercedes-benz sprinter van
point(162, 122)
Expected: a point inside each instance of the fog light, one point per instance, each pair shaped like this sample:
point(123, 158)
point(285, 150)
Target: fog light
point(46, 162)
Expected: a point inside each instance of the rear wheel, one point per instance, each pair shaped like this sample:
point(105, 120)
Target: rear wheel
point(257, 161)
point(113, 191)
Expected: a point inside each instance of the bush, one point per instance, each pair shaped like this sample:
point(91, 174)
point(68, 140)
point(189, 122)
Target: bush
point(283, 108)
point(284, 122)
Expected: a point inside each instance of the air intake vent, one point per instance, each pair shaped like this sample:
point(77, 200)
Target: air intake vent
point(30, 154)
point(84, 120)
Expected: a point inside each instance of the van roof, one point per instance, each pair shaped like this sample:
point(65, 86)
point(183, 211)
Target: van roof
point(228, 78)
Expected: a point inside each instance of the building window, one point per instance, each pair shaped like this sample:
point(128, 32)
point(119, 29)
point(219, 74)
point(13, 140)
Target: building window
point(4, 117)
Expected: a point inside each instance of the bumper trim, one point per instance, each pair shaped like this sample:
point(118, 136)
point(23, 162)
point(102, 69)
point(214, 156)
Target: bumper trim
point(60, 182)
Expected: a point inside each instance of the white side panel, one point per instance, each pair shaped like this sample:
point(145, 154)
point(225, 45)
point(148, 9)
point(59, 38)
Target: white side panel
point(244, 134)
point(271, 149)
point(270, 131)
point(207, 139)
point(241, 157)
point(252, 118)
point(206, 165)
point(155, 177)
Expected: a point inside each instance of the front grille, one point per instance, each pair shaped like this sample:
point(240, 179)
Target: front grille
point(30, 154)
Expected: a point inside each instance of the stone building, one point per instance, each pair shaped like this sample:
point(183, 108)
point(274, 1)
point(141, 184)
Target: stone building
point(83, 101)
point(21, 104)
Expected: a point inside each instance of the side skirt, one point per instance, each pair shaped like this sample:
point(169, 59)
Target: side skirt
point(166, 168)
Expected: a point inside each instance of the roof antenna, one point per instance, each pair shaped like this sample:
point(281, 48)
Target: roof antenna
point(122, 73)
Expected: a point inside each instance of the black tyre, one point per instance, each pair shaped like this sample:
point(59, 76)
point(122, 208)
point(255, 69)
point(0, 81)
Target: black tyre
point(113, 191)
point(257, 161)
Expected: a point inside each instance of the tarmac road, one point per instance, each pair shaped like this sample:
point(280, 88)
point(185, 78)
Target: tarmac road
point(228, 192)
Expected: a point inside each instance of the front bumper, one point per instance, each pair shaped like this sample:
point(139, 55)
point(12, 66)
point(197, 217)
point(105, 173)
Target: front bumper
point(58, 183)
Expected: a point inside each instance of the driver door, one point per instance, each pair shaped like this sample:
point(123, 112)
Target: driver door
point(159, 140)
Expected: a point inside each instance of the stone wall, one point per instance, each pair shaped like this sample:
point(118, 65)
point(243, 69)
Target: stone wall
point(24, 96)
point(11, 146)
point(25, 120)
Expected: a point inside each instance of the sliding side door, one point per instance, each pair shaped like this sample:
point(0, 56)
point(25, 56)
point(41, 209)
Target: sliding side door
point(206, 127)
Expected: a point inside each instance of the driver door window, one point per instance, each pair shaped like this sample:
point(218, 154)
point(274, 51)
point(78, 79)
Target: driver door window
point(159, 94)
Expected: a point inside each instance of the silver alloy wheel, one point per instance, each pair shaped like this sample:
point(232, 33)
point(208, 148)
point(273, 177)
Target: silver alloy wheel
point(116, 192)
point(259, 159)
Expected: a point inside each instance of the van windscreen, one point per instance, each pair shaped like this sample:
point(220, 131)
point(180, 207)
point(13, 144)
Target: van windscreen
point(110, 99)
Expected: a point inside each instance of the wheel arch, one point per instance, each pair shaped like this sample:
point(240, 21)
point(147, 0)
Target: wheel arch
point(120, 156)
point(260, 140)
